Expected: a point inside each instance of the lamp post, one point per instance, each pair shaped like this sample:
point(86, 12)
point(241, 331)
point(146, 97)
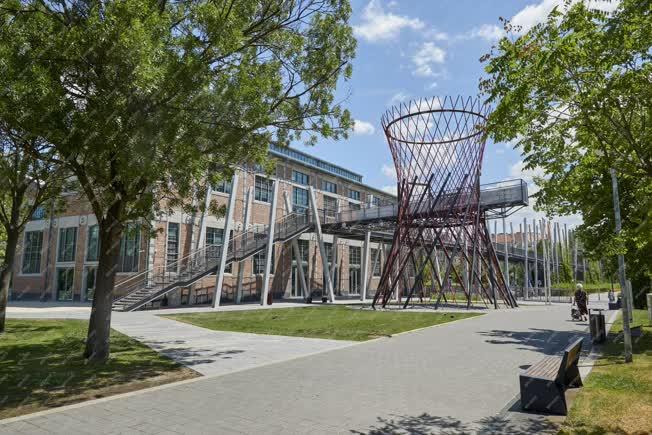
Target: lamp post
point(621, 271)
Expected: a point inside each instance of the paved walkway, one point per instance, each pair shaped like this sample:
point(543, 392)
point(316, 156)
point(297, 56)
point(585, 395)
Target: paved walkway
point(207, 352)
point(454, 378)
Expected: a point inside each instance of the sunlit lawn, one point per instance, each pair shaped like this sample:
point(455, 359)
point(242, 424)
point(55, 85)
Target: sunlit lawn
point(41, 366)
point(617, 397)
point(334, 322)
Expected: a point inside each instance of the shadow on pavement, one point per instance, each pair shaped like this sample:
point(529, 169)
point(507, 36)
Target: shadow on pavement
point(189, 356)
point(430, 424)
point(545, 341)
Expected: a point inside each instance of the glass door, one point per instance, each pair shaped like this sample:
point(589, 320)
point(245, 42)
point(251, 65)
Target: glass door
point(354, 281)
point(89, 282)
point(297, 292)
point(65, 278)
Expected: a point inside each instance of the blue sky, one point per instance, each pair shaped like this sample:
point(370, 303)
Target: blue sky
point(418, 48)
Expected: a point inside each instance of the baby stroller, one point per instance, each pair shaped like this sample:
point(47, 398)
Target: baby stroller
point(575, 313)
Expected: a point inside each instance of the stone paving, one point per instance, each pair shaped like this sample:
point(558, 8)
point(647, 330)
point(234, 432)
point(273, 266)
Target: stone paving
point(460, 377)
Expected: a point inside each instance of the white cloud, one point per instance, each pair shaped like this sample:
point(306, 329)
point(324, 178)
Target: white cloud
point(517, 170)
point(398, 97)
point(488, 32)
point(431, 86)
point(533, 14)
point(425, 58)
point(378, 25)
point(389, 171)
point(363, 127)
point(393, 189)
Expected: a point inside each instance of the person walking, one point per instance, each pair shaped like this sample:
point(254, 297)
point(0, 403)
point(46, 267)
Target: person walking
point(581, 300)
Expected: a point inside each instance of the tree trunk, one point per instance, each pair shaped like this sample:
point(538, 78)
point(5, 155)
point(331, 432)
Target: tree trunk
point(5, 274)
point(99, 325)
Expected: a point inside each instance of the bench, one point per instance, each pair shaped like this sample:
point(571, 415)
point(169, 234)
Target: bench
point(544, 384)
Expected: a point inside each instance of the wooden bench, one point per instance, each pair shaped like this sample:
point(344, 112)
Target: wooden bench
point(544, 384)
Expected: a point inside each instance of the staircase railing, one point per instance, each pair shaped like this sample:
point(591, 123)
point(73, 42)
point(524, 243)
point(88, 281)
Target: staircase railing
point(201, 261)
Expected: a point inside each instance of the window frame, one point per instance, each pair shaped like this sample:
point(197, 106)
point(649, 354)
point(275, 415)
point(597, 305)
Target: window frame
point(300, 177)
point(61, 248)
point(262, 191)
point(33, 253)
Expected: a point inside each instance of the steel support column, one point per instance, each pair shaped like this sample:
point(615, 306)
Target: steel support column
point(322, 248)
point(365, 265)
point(297, 252)
point(226, 239)
point(270, 245)
point(247, 217)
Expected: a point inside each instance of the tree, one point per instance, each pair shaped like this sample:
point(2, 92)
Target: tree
point(26, 183)
point(573, 93)
point(143, 98)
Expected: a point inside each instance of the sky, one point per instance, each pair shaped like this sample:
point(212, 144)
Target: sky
point(422, 48)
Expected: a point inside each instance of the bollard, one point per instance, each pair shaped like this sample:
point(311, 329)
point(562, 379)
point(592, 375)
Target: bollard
point(649, 306)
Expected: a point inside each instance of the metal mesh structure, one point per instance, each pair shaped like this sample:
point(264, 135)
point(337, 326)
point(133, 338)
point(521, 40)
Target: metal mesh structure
point(441, 250)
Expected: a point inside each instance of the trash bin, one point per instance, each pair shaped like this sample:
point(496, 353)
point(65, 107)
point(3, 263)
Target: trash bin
point(269, 298)
point(597, 327)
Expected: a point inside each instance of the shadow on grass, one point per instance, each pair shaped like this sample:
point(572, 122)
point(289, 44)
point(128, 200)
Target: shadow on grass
point(42, 364)
point(430, 424)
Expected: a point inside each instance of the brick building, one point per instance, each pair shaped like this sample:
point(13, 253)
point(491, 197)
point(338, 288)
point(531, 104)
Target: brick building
point(57, 258)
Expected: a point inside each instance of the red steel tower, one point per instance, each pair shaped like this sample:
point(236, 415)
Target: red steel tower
point(441, 248)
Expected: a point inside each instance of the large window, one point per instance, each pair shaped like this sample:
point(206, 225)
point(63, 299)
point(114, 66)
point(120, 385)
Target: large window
point(299, 199)
point(93, 243)
point(375, 201)
point(355, 255)
point(375, 257)
point(327, 186)
point(330, 203)
point(130, 248)
point(354, 194)
point(215, 237)
point(173, 245)
point(67, 244)
point(259, 262)
point(39, 213)
point(32, 252)
point(300, 177)
point(354, 205)
point(223, 186)
point(354, 269)
point(263, 189)
point(304, 250)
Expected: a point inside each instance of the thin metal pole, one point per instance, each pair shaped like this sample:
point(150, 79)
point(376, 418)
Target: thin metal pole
point(536, 256)
point(506, 274)
point(621, 270)
point(526, 268)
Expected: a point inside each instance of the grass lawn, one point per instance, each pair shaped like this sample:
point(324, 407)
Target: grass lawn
point(617, 397)
point(41, 366)
point(334, 322)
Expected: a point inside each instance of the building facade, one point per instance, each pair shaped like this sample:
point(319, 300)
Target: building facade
point(57, 257)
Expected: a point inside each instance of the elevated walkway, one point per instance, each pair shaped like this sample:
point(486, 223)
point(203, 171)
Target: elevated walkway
point(152, 284)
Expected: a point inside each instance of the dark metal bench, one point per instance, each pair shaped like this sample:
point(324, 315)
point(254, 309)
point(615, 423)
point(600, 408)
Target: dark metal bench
point(544, 384)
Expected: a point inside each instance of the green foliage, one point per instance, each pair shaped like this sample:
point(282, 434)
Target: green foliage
point(339, 323)
point(573, 94)
point(142, 98)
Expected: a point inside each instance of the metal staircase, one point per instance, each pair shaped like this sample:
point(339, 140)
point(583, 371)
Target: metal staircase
point(158, 281)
